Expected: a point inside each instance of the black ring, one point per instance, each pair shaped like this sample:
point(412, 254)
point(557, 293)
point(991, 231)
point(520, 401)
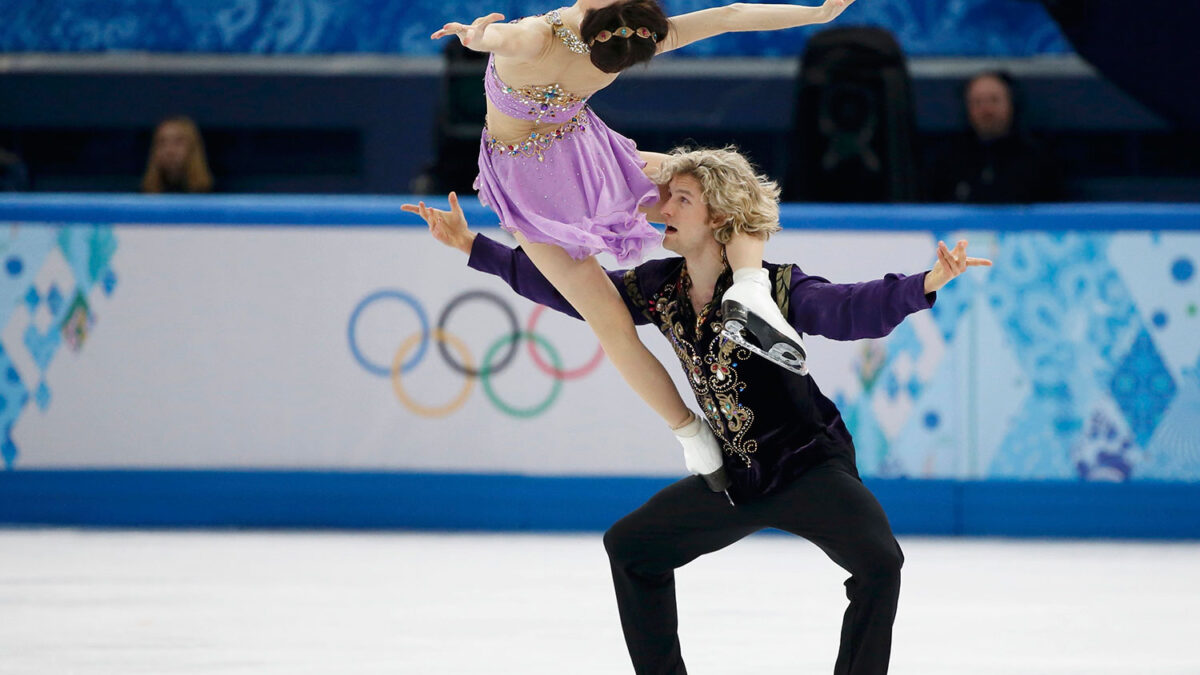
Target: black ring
point(512, 320)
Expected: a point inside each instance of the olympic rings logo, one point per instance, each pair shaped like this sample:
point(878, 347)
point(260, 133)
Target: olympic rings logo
point(457, 355)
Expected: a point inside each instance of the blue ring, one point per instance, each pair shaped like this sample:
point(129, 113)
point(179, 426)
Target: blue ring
point(386, 370)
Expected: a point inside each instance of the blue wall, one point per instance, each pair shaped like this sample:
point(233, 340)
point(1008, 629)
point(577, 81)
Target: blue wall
point(924, 27)
point(508, 503)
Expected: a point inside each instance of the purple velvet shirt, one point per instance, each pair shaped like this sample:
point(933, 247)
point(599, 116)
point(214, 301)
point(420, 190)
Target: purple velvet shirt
point(772, 424)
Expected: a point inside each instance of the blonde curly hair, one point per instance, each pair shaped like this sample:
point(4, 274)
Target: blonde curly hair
point(746, 201)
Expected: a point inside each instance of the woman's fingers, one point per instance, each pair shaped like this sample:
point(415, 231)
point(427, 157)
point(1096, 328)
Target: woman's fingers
point(451, 28)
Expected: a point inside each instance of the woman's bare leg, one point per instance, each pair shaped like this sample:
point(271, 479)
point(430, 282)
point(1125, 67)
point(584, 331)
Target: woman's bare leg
point(589, 290)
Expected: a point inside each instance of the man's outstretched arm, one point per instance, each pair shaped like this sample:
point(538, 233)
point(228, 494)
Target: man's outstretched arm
point(513, 266)
point(872, 309)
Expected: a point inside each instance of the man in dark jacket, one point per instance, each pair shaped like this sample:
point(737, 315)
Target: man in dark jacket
point(995, 161)
point(787, 452)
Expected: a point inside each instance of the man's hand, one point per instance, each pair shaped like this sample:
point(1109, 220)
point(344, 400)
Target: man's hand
point(951, 264)
point(448, 227)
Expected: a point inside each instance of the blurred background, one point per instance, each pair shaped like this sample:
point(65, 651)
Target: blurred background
point(333, 96)
point(247, 347)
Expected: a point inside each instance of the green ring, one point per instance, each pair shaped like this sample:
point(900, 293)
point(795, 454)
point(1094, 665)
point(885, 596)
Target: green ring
point(485, 375)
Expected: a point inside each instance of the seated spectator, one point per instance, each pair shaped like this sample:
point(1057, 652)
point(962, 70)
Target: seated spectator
point(14, 177)
point(177, 161)
point(995, 161)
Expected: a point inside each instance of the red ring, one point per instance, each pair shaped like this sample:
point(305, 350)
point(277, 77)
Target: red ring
point(550, 370)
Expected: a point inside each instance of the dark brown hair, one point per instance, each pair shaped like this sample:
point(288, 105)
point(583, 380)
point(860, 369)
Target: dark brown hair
point(620, 53)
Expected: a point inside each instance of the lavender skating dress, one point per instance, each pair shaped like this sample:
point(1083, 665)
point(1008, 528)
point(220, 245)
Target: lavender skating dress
point(578, 186)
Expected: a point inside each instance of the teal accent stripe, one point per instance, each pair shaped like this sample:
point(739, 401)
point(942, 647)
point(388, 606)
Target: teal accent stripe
point(507, 503)
point(384, 211)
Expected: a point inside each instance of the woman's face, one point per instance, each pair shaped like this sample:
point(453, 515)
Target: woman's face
point(172, 143)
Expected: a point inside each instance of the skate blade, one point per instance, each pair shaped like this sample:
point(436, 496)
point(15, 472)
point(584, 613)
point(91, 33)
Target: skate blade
point(782, 353)
point(717, 481)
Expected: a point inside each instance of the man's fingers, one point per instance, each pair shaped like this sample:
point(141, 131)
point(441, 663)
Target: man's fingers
point(944, 256)
point(973, 262)
point(958, 256)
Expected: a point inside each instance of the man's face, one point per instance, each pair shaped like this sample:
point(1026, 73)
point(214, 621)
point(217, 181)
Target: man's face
point(689, 225)
point(989, 107)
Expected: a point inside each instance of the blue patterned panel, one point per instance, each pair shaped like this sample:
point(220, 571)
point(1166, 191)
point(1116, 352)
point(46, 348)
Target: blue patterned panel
point(49, 274)
point(1105, 451)
point(1174, 451)
point(1142, 387)
point(23, 256)
point(923, 27)
point(1070, 320)
point(13, 396)
point(88, 249)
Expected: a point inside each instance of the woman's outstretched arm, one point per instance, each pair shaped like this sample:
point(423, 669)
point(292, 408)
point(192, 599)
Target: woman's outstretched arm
point(740, 17)
point(523, 40)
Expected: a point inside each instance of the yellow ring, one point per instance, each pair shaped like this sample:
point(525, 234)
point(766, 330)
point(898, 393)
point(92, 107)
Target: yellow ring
point(430, 411)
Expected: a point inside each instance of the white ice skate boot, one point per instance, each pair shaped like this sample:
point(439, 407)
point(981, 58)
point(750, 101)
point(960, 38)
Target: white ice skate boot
point(753, 320)
point(702, 454)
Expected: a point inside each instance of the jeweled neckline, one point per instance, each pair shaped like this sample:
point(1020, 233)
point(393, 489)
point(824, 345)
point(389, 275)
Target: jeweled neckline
point(566, 35)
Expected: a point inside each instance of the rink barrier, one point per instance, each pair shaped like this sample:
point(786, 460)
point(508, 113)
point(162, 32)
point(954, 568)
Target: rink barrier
point(265, 498)
point(516, 503)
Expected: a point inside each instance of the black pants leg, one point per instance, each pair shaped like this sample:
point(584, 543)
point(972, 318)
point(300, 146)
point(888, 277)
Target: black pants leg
point(827, 505)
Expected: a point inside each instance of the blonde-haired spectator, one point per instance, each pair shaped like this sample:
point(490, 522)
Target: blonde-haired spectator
point(177, 161)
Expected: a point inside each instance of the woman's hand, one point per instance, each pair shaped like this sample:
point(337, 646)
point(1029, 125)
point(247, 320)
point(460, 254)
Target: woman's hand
point(831, 9)
point(471, 34)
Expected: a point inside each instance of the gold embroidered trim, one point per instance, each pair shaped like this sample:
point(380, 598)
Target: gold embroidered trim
point(783, 288)
point(635, 294)
point(714, 379)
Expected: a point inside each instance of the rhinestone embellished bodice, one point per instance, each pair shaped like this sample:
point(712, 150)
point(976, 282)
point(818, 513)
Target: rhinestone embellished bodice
point(546, 103)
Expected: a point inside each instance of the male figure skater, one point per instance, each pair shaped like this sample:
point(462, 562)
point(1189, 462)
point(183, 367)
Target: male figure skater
point(787, 454)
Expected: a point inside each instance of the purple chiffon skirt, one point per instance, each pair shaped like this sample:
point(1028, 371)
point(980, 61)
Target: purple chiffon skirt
point(580, 190)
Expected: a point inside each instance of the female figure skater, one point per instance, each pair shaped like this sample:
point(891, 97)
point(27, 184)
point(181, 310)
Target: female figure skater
point(568, 187)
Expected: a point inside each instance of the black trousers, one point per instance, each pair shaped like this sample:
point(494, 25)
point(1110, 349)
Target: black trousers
point(828, 505)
